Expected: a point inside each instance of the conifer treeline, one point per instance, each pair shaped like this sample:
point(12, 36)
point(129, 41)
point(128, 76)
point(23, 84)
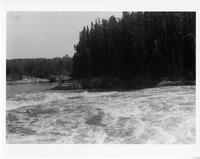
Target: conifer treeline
point(38, 67)
point(147, 45)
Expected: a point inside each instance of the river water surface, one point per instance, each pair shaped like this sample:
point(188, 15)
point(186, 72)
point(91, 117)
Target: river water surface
point(164, 115)
point(26, 88)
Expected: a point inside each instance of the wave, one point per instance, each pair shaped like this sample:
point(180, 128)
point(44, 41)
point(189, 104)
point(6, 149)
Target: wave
point(155, 115)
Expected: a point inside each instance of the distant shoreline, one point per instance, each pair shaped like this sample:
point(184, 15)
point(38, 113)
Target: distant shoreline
point(27, 81)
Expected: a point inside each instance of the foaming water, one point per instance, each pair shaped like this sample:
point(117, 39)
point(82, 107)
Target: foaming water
point(162, 115)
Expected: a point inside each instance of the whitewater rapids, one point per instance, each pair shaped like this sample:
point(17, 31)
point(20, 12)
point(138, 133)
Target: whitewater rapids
point(164, 115)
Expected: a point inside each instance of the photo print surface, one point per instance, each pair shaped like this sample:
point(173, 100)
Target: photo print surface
point(101, 77)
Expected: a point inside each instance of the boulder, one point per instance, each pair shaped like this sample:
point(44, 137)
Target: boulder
point(166, 83)
point(68, 86)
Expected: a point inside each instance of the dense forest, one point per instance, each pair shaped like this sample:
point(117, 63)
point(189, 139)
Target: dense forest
point(146, 45)
point(38, 67)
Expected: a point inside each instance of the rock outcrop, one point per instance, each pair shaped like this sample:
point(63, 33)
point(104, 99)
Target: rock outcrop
point(175, 83)
point(166, 83)
point(68, 86)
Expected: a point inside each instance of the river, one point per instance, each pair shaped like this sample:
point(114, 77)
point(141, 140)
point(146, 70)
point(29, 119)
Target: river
point(25, 88)
point(164, 115)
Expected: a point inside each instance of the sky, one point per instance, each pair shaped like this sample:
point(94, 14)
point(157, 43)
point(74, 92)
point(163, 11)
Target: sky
point(46, 34)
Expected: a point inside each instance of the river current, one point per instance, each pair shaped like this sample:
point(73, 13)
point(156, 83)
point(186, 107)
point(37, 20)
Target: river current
point(164, 115)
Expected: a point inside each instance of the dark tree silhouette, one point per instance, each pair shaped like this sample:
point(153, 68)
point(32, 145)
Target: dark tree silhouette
point(149, 45)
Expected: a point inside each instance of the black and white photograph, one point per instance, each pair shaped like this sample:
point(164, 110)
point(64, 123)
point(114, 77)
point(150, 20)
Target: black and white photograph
point(100, 77)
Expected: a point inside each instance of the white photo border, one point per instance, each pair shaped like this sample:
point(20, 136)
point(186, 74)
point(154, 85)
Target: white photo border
point(96, 150)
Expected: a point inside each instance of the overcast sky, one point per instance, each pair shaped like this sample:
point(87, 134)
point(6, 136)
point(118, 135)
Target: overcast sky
point(46, 34)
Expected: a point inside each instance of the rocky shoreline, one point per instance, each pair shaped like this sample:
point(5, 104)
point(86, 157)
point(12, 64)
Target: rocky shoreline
point(99, 84)
point(115, 84)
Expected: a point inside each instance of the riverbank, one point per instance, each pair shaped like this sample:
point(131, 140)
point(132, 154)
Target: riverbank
point(110, 84)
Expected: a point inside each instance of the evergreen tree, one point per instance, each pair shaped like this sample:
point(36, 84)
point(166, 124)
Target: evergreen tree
point(148, 45)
